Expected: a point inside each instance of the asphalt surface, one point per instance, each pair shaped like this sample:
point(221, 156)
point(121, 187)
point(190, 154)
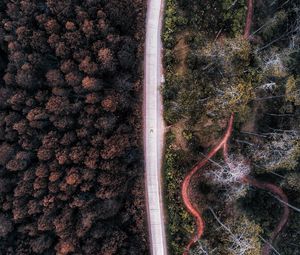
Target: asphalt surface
point(154, 128)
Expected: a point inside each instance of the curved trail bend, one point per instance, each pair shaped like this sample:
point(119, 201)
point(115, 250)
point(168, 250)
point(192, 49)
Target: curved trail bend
point(223, 144)
point(267, 248)
point(187, 180)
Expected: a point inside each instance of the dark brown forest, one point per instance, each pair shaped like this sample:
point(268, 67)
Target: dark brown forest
point(71, 168)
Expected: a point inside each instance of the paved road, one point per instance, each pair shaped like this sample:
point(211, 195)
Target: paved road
point(154, 128)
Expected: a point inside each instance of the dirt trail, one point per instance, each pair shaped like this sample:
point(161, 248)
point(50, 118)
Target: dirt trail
point(250, 10)
point(286, 211)
point(185, 185)
point(223, 144)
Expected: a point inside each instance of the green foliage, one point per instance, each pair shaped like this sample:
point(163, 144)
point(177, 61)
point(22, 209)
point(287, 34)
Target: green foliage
point(291, 235)
point(232, 54)
point(169, 24)
point(281, 151)
point(187, 134)
point(233, 93)
point(234, 15)
point(273, 25)
point(179, 220)
point(294, 62)
point(234, 99)
point(245, 233)
point(292, 181)
point(274, 64)
point(172, 21)
point(292, 91)
point(172, 112)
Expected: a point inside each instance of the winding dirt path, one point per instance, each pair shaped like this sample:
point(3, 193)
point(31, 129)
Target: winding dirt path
point(186, 182)
point(223, 144)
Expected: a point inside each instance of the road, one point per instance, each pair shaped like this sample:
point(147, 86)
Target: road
point(154, 128)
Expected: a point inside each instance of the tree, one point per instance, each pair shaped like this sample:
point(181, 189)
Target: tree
point(126, 55)
point(91, 84)
point(55, 78)
point(88, 66)
point(229, 176)
point(243, 236)
point(109, 103)
point(6, 225)
point(273, 66)
point(281, 151)
point(25, 77)
point(41, 244)
point(293, 62)
point(106, 59)
point(6, 153)
point(292, 91)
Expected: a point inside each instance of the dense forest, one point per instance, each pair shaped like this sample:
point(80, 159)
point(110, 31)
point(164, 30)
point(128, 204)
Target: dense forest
point(71, 168)
point(212, 71)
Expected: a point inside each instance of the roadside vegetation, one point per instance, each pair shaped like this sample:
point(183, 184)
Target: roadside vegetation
point(211, 71)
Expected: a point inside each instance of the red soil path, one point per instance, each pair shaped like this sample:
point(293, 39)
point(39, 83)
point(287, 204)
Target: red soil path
point(250, 10)
point(286, 211)
point(187, 180)
point(223, 144)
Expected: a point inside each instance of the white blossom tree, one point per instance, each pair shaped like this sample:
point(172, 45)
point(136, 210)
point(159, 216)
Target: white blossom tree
point(228, 176)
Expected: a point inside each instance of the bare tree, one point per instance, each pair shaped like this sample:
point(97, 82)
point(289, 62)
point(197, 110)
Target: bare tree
point(229, 175)
point(201, 249)
point(282, 150)
point(241, 242)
